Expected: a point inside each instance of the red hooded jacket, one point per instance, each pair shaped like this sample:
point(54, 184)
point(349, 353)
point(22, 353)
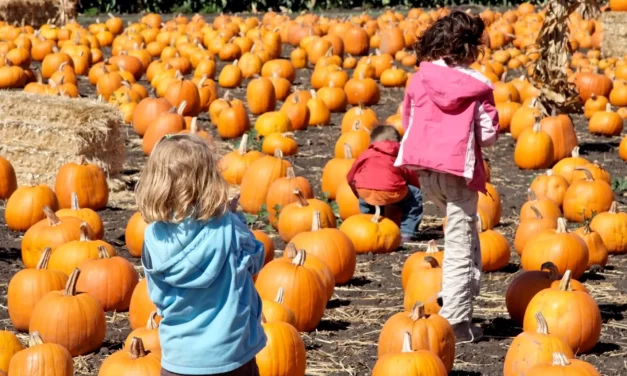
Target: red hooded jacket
point(374, 169)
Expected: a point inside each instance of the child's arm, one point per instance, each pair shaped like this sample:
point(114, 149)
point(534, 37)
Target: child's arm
point(486, 121)
point(411, 177)
point(252, 251)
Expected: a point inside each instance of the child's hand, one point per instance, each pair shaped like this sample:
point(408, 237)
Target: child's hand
point(234, 203)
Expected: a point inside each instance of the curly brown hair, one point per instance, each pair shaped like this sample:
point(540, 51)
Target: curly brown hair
point(456, 38)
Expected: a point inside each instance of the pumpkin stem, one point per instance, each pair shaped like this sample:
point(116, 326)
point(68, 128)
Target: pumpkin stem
point(407, 343)
point(377, 214)
point(560, 359)
point(193, 126)
point(278, 153)
point(35, 339)
point(202, 81)
point(70, 286)
point(542, 326)
point(302, 201)
point(280, 295)
point(181, 108)
point(263, 319)
point(417, 311)
point(242, 144)
point(431, 261)
point(536, 211)
point(290, 251)
point(102, 252)
point(587, 172)
point(136, 349)
point(562, 226)
point(432, 247)
point(608, 107)
point(289, 173)
point(84, 232)
point(316, 222)
point(52, 217)
point(45, 257)
point(554, 274)
point(348, 154)
point(565, 283)
point(74, 198)
point(550, 173)
point(536, 127)
point(614, 208)
point(152, 321)
point(300, 258)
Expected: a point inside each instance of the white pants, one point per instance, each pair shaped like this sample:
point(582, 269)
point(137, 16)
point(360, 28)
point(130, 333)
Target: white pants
point(462, 252)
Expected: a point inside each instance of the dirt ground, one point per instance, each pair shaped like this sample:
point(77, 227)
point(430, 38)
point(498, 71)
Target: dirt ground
point(345, 343)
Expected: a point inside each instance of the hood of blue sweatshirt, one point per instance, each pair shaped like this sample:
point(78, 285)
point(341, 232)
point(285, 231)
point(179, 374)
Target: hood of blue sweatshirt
point(200, 278)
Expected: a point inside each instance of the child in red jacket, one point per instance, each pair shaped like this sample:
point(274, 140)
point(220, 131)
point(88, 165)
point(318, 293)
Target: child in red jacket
point(376, 181)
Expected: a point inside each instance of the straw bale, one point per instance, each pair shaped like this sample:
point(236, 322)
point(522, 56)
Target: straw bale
point(37, 12)
point(38, 134)
point(614, 42)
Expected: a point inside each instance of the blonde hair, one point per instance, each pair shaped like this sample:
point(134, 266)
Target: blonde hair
point(180, 180)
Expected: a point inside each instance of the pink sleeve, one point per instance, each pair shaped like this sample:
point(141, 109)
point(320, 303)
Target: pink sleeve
point(486, 121)
point(407, 111)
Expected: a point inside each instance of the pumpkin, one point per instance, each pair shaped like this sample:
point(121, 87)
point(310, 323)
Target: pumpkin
point(110, 280)
point(133, 361)
point(566, 167)
point(530, 227)
point(134, 234)
point(275, 310)
point(586, 197)
point(525, 286)
point(534, 149)
point(170, 122)
point(271, 122)
point(347, 202)
point(495, 250)
point(432, 333)
point(70, 255)
point(358, 140)
point(563, 366)
point(26, 206)
point(9, 346)
point(282, 141)
point(531, 348)
point(108, 83)
point(141, 307)
point(88, 182)
point(305, 293)
point(490, 203)
point(319, 113)
point(416, 261)
point(622, 149)
point(74, 321)
point(28, 286)
point(565, 250)
point(362, 90)
point(424, 285)
point(409, 362)
point(230, 76)
point(260, 96)
point(372, 233)
point(85, 214)
point(506, 111)
point(314, 263)
point(606, 123)
point(618, 95)
point(50, 232)
point(571, 315)
point(296, 217)
point(366, 117)
point(268, 245)
point(42, 359)
point(281, 194)
point(597, 251)
point(335, 171)
point(598, 173)
point(594, 104)
point(279, 67)
point(8, 180)
point(258, 178)
point(545, 206)
point(148, 334)
point(284, 354)
point(524, 118)
point(589, 83)
point(612, 228)
point(562, 132)
point(234, 164)
point(298, 112)
point(331, 246)
point(334, 97)
point(147, 112)
point(550, 186)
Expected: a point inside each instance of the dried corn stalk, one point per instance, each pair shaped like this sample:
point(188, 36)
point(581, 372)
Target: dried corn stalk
point(550, 75)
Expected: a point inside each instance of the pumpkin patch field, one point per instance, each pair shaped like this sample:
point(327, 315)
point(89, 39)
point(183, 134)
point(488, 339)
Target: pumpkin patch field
point(288, 102)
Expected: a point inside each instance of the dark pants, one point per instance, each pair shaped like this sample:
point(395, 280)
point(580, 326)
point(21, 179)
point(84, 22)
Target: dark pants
point(248, 369)
point(410, 208)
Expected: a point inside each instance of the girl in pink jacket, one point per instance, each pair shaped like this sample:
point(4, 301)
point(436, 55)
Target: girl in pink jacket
point(448, 116)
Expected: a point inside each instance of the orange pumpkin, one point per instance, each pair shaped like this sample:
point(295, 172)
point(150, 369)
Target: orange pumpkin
point(409, 362)
point(424, 285)
point(566, 167)
point(563, 366)
point(275, 310)
point(534, 149)
point(134, 360)
point(612, 228)
point(141, 307)
point(297, 216)
point(284, 354)
point(258, 178)
point(85, 214)
point(234, 164)
point(281, 194)
point(334, 172)
point(586, 197)
point(606, 123)
point(416, 261)
point(525, 286)
point(41, 358)
point(550, 186)
point(8, 180)
point(26, 206)
point(149, 335)
point(562, 132)
point(170, 122)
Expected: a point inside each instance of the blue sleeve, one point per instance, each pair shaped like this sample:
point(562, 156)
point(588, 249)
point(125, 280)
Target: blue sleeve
point(252, 250)
point(156, 294)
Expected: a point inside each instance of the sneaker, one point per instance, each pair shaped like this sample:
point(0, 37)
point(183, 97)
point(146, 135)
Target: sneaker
point(406, 238)
point(467, 333)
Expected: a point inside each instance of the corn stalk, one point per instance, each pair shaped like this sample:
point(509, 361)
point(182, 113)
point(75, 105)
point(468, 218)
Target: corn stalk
point(550, 75)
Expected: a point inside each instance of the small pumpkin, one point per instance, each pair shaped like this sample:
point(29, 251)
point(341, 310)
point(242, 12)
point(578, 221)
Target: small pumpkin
point(612, 228)
point(41, 358)
point(495, 250)
point(319, 112)
point(26, 206)
point(409, 362)
point(358, 139)
point(282, 141)
point(372, 233)
point(284, 354)
point(297, 111)
point(134, 360)
point(275, 310)
point(534, 149)
point(134, 234)
point(141, 307)
point(347, 202)
point(525, 286)
point(85, 214)
point(545, 206)
point(530, 227)
point(170, 122)
point(424, 285)
point(335, 171)
point(149, 335)
point(9, 347)
point(551, 186)
point(260, 96)
point(606, 123)
point(281, 194)
point(416, 261)
point(490, 204)
point(314, 263)
point(296, 217)
point(586, 197)
point(566, 167)
point(272, 122)
point(563, 366)
point(366, 117)
point(72, 320)
point(148, 111)
point(594, 104)
point(268, 245)
point(87, 181)
point(597, 251)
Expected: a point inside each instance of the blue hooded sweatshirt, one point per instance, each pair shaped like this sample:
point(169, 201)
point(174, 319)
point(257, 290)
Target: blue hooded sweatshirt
point(200, 278)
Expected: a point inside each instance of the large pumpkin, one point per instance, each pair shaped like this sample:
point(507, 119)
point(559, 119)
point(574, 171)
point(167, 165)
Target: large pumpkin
point(566, 167)
point(281, 194)
point(550, 186)
point(148, 334)
point(9, 346)
point(586, 197)
point(148, 111)
point(141, 307)
point(547, 207)
point(170, 122)
point(234, 164)
point(433, 333)
point(134, 234)
point(28, 286)
point(258, 178)
point(330, 245)
point(85, 214)
point(275, 310)
point(409, 362)
point(305, 293)
point(562, 132)
point(26, 206)
point(133, 361)
point(42, 359)
point(534, 149)
point(589, 83)
point(284, 354)
point(531, 348)
point(335, 171)
point(570, 315)
point(89, 183)
point(416, 261)
point(297, 217)
point(424, 285)
point(563, 366)
point(612, 227)
point(314, 263)
point(372, 233)
point(525, 286)
point(74, 321)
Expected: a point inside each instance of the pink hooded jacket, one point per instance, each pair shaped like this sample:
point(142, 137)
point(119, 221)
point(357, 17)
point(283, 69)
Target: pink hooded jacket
point(448, 115)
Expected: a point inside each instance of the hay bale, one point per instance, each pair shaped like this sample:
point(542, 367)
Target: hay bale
point(614, 42)
point(37, 12)
point(41, 133)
